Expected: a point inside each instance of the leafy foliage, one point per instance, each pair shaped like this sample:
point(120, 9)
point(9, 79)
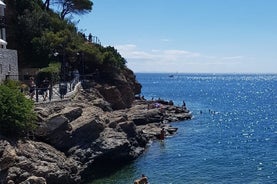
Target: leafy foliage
point(70, 6)
point(51, 72)
point(75, 7)
point(40, 32)
point(112, 57)
point(16, 111)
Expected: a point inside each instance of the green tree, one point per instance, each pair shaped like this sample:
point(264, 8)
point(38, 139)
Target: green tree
point(112, 57)
point(40, 33)
point(78, 7)
point(46, 4)
point(31, 22)
point(17, 114)
point(69, 6)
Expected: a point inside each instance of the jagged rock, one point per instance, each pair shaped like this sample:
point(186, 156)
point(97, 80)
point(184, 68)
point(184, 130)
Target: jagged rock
point(73, 113)
point(100, 125)
point(96, 135)
point(34, 180)
point(10, 182)
point(57, 109)
point(104, 105)
point(145, 116)
point(131, 78)
point(37, 162)
point(112, 142)
point(87, 133)
point(127, 86)
point(51, 126)
point(129, 128)
point(150, 130)
point(113, 96)
point(120, 93)
point(47, 112)
point(113, 122)
point(7, 155)
point(118, 119)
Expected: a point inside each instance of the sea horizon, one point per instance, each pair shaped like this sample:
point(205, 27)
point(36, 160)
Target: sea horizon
point(209, 73)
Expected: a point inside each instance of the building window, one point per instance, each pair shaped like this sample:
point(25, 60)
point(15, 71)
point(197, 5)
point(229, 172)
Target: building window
point(1, 69)
point(10, 68)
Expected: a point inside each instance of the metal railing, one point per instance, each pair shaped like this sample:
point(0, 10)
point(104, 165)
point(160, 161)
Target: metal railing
point(54, 92)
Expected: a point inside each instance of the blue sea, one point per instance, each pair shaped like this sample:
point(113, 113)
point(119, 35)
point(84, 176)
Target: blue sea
point(232, 137)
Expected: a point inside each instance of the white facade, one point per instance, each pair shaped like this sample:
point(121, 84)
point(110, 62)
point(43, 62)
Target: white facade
point(8, 57)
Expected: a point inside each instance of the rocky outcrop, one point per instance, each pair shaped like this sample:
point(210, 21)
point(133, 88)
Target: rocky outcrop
point(121, 92)
point(36, 162)
point(8, 155)
point(113, 96)
point(76, 138)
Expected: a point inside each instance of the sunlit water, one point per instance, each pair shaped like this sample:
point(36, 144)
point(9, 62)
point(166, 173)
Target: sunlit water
point(233, 140)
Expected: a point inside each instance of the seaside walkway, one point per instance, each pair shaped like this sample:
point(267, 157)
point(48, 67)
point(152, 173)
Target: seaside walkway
point(54, 93)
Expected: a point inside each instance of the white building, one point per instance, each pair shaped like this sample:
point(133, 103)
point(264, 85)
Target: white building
point(8, 58)
point(3, 42)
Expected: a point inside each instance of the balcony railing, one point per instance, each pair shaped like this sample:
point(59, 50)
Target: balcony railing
point(2, 21)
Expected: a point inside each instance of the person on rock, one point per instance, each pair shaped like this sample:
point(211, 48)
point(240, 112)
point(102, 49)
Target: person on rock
point(142, 180)
point(162, 134)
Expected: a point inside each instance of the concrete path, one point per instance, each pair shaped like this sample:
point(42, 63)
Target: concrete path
point(56, 94)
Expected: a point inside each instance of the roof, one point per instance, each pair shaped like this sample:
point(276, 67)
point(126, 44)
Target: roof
point(2, 4)
point(3, 42)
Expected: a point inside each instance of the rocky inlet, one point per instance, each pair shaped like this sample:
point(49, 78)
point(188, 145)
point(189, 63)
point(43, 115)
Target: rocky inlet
point(77, 137)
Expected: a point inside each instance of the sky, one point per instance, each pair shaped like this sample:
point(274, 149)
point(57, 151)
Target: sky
point(188, 36)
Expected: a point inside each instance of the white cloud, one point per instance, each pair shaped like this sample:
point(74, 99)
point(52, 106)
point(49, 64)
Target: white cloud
point(176, 60)
point(130, 51)
point(232, 57)
point(165, 40)
point(180, 54)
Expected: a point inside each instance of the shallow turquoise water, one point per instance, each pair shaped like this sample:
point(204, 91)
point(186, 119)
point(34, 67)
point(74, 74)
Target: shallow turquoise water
point(233, 140)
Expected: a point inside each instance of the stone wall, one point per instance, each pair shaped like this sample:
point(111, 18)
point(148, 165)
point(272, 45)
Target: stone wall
point(8, 64)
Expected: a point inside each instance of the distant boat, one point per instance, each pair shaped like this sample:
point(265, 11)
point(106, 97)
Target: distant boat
point(171, 76)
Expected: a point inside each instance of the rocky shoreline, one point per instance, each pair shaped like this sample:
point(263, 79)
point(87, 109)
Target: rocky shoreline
point(74, 137)
point(101, 126)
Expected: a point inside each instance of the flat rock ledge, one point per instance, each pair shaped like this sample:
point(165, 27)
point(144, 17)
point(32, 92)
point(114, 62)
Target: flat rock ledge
point(78, 137)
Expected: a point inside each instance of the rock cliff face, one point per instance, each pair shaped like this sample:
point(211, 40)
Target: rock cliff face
point(77, 137)
point(120, 93)
point(31, 160)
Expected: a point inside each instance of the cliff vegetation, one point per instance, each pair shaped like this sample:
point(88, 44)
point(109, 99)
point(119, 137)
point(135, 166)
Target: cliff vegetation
point(106, 124)
point(40, 28)
point(17, 116)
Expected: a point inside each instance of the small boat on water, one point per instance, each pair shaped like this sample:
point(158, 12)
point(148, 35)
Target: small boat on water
point(171, 76)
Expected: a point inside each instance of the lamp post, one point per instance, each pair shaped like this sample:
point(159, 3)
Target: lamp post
point(63, 66)
point(80, 56)
point(62, 84)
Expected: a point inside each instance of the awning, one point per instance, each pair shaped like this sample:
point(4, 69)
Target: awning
point(3, 42)
point(2, 4)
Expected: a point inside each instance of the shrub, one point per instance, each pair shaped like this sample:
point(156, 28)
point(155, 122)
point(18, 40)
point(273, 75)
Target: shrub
point(51, 72)
point(17, 115)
